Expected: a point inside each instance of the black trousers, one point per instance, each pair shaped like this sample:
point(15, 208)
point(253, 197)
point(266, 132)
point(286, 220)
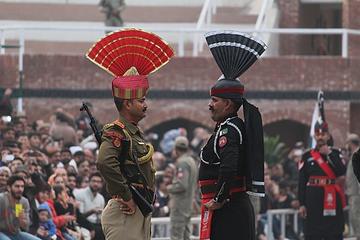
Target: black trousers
point(235, 220)
point(316, 237)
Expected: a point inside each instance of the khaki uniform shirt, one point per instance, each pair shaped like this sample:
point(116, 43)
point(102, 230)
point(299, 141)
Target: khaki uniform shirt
point(183, 187)
point(109, 151)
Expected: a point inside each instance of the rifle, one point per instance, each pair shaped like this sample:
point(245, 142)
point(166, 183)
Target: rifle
point(145, 207)
point(93, 126)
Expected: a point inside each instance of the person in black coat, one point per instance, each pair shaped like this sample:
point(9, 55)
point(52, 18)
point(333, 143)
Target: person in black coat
point(232, 161)
point(356, 164)
point(321, 199)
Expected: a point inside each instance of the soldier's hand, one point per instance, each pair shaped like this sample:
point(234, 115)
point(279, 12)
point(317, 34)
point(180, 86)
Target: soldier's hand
point(128, 207)
point(212, 205)
point(325, 149)
point(302, 211)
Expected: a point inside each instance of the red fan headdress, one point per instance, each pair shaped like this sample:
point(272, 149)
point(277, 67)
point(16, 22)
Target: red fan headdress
point(130, 55)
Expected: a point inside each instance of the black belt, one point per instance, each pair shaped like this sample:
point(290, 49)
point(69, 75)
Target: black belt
point(321, 181)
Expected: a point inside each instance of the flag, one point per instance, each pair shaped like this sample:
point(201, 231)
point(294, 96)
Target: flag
point(318, 115)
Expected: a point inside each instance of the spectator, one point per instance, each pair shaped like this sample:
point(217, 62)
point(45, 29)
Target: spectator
point(60, 129)
point(23, 139)
point(14, 147)
point(47, 228)
point(290, 165)
point(8, 134)
point(15, 163)
point(34, 140)
point(161, 208)
point(16, 222)
point(159, 161)
point(83, 168)
point(71, 181)
point(5, 104)
point(64, 208)
point(5, 173)
point(92, 203)
point(168, 141)
point(201, 135)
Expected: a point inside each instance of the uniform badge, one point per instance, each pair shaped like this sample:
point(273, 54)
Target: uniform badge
point(116, 142)
point(222, 141)
point(115, 137)
point(223, 132)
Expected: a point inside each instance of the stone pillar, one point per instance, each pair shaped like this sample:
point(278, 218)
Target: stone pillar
point(351, 19)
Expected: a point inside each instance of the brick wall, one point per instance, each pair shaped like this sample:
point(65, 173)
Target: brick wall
point(285, 73)
point(281, 74)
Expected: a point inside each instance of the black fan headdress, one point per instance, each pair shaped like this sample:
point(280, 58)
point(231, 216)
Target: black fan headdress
point(234, 53)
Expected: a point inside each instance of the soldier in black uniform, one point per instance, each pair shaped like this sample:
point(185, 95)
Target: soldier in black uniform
point(232, 161)
point(356, 164)
point(321, 199)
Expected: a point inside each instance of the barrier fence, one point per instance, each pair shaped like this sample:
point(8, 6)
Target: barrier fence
point(161, 226)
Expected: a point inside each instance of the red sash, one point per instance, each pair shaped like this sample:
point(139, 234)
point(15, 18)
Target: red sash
point(331, 189)
point(206, 214)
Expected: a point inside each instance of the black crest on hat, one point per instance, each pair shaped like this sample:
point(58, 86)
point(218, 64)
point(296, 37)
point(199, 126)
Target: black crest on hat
point(234, 52)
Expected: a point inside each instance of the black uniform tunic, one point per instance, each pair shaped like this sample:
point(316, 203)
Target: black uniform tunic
point(312, 197)
point(223, 158)
point(356, 164)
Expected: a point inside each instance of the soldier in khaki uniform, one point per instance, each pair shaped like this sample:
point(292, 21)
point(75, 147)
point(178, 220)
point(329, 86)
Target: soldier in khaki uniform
point(353, 187)
point(122, 218)
point(182, 190)
point(112, 10)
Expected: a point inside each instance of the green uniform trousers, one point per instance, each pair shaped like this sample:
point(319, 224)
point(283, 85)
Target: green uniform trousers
point(117, 226)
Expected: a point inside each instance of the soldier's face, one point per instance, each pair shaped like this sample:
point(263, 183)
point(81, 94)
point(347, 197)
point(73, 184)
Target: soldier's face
point(137, 108)
point(321, 138)
point(218, 108)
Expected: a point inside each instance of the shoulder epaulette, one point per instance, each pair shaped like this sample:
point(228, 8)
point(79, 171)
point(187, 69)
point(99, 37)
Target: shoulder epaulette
point(118, 123)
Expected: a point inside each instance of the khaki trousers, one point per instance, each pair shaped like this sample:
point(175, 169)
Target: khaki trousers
point(354, 211)
point(117, 226)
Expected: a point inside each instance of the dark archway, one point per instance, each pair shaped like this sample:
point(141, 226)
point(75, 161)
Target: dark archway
point(289, 132)
point(165, 126)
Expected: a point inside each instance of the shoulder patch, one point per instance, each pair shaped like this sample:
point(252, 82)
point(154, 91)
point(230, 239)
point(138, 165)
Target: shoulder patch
point(222, 141)
point(223, 132)
point(116, 137)
point(180, 173)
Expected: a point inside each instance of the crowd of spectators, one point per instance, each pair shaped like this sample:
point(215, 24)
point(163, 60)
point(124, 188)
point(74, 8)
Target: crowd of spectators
point(49, 168)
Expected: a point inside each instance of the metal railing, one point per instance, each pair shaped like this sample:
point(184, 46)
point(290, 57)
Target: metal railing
point(280, 214)
point(180, 34)
point(205, 17)
point(165, 223)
